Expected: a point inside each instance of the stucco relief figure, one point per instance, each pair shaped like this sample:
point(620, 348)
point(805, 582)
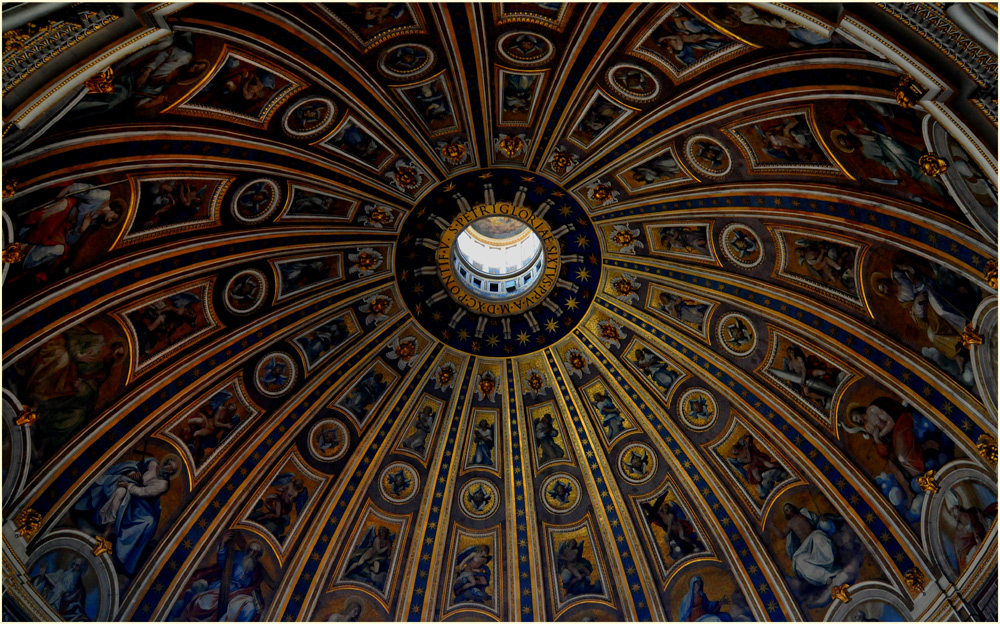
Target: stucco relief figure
point(813, 379)
point(324, 339)
point(170, 202)
point(211, 424)
point(696, 606)
point(365, 394)
point(124, 505)
point(940, 304)
point(657, 169)
point(519, 93)
point(422, 425)
point(545, 439)
point(351, 611)
point(823, 552)
point(370, 561)
point(230, 590)
point(828, 263)
point(483, 442)
point(789, 139)
point(688, 239)
point(684, 310)
point(281, 504)
point(687, 38)
point(240, 87)
point(575, 569)
point(165, 321)
point(681, 536)
point(759, 469)
point(63, 588)
point(611, 416)
point(472, 575)
point(63, 380)
point(53, 230)
point(656, 368)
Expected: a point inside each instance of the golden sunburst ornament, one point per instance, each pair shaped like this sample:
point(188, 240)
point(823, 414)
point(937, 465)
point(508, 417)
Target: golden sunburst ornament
point(560, 162)
point(13, 253)
point(367, 261)
point(406, 349)
point(454, 152)
point(535, 381)
point(406, 177)
point(380, 215)
point(487, 385)
point(511, 146)
point(600, 193)
point(379, 305)
point(624, 287)
point(623, 238)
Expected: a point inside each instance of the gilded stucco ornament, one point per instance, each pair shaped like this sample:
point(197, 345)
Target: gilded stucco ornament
point(27, 417)
point(969, 337)
point(928, 483)
point(102, 82)
point(561, 161)
point(102, 545)
point(27, 523)
point(511, 146)
point(908, 92)
point(454, 153)
point(13, 253)
point(986, 446)
point(841, 592)
point(9, 186)
point(990, 274)
point(932, 164)
point(915, 580)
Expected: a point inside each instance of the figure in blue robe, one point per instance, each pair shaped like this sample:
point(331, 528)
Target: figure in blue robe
point(125, 503)
point(696, 607)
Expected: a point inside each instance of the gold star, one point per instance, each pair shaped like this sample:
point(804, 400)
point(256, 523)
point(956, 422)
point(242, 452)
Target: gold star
point(419, 288)
point(557, 193)
point(551, 325)
point(582, 241)
point(449, 187)
point(528, 178)
point(571, 303)
point(436, 316)
point(492, 340)
point(522, 337)
point(582, 274)
point(463, 334)
point(486, 176)
point(566, 210)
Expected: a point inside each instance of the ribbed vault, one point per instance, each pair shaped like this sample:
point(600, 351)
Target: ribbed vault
point(754, 377)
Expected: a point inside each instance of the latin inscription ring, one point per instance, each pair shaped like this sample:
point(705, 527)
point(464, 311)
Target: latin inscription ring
point(468, 298)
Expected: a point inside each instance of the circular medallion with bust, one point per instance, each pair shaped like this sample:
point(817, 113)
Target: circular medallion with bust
point(498, 262)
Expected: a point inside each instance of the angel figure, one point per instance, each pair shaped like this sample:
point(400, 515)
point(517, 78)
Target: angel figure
point(274, 511)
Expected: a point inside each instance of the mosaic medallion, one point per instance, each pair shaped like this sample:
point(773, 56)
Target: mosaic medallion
point(256, 200)
point(245, 292)
point(407, 60)
point(275, 374)
point(697, 409)
point(736, 334)
point(560, 493)
point(741, 245)
point(479, 499)
point(637, 462)
point(525, 48)
point(633, 82)
point(309, 117)
point(707, 155)
point(329, 440)
point(399, 482)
